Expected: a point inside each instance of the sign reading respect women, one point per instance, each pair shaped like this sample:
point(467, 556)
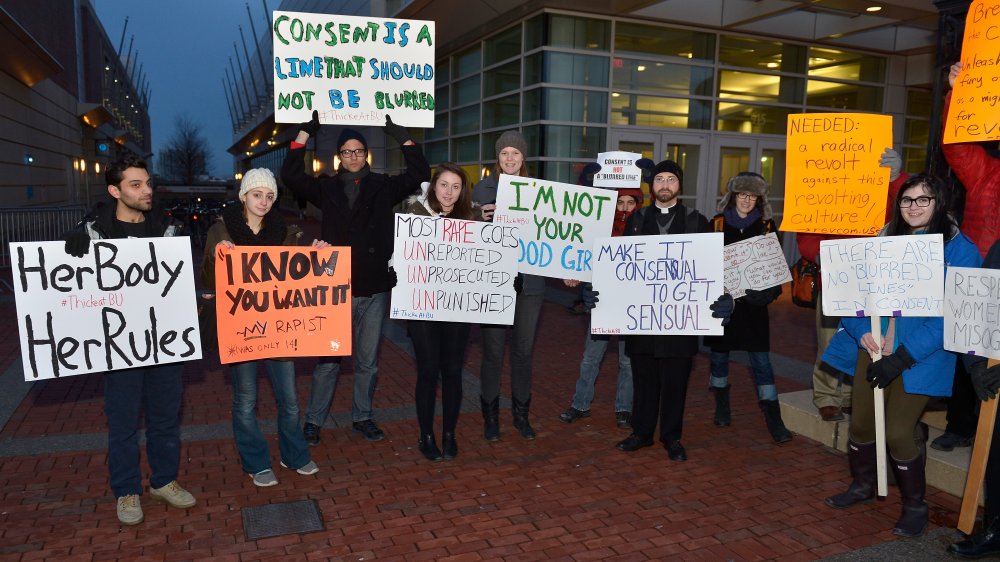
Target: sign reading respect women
point(558, 223)
point(353, 70)
point(126, 303)
point(972, 311)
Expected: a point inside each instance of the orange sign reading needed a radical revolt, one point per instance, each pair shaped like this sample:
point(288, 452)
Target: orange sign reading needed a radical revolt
point(833, 182)
point(973, 115)
point(283, 301)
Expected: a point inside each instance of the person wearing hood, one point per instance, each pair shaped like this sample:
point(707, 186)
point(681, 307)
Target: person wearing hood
point(745, 212)
point(914, 366)
point(357, 208)
point(256, 221)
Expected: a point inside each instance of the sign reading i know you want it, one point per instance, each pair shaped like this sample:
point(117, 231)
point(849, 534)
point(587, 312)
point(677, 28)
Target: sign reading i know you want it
point(353, 70)
point(126, 303)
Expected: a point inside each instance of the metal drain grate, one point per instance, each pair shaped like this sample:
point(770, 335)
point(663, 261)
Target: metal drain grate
point(276, 519)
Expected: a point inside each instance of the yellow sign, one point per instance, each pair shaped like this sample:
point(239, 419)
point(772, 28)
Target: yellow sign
point(833, 182)
point(973, 115)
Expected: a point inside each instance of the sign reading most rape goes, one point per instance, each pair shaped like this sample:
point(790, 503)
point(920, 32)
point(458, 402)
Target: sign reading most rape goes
point(973, 115)
point(353, 70)
point(833, 183)
point(126, 303)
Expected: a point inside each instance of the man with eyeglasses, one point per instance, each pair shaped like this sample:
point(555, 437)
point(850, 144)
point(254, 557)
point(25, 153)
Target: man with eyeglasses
point(357, 211)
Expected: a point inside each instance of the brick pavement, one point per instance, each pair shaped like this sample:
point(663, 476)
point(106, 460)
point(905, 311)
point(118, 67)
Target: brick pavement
point(567, 495)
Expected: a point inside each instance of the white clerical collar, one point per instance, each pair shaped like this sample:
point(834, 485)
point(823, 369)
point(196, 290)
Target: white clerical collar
point(666, 210)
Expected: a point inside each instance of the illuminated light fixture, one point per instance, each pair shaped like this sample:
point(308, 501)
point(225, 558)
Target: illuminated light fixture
point(772, 65)
point(249, 153)
point(238, 176)
point(659, 64)
point(97, 167)
point(641, 68)
point(763, 158)
point(317, 166)
point(615, 94)
point(873, 9)
point(76, 165)
point(592, 45)
point(83, 165)
point(29, 159)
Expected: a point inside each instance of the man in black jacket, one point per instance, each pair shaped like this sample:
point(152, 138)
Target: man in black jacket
point(357, 211)
point(156, 388)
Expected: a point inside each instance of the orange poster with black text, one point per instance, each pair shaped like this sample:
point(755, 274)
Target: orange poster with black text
point(973, 115)
point(283, 301)
point(833, 183)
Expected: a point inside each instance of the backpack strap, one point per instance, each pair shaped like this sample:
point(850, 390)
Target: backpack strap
point(718, 223)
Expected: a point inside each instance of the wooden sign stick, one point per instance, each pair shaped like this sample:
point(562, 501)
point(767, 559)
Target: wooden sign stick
point(880, 460)
point(977, 466)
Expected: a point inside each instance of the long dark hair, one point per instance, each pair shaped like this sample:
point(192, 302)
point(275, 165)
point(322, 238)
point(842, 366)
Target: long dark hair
point(940, 223)
point(463, 207)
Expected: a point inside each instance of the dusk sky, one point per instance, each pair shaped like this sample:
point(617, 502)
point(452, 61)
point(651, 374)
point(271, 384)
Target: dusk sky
point(184, 47)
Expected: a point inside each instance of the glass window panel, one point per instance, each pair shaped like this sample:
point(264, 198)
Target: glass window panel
point(534, 35)
point(845, 65)
point(465, 91)
point(465, 149)
point(441, 98)
point(844, 96)
point(472, 171)
point(559, 171)
point(653, 111)
point(565, 68)
point(501, 112)
point(750, 86)
point(914, 158)
point(466, 62)
point(654, 40)
point(440, 129)
point(772, 167)
point(532, 135)
point(466, 120)
point(436, 152)
point(441, 73)
point(502, 79)
point(503, 46)
point(573, 142)
point(574, 105)
point(490, 144)
point(637, 147)
point(578, 33)
point(919, 103)
point(662, 77)
point(747, 118)
point(917, 131)
point(762, 55)
point(532, 106)
point(533, 69)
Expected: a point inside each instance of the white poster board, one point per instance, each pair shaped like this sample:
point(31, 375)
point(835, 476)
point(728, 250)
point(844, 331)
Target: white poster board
point(454, 270)
point(972, 311)
point(558, 223)
point(653, 285)
point(755, 263)
point(353, 70)
point(126, 303)
point(618, 169)
point(883, 276)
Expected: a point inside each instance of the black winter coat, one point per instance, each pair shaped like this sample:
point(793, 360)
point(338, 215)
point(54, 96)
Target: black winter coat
point(368, 227)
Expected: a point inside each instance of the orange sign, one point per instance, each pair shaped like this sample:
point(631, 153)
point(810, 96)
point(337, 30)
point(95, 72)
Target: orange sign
point(833, 183)
point(973, 115)
point(283, 301)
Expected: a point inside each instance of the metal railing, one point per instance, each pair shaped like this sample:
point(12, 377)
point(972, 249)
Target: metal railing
point(34, 224)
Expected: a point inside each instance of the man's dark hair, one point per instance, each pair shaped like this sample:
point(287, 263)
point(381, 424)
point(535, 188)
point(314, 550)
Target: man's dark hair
point(116, 171)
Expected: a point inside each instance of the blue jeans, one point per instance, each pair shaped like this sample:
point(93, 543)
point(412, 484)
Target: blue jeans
point(367, 316)
point(156, 391)
point(595, 346)
point(250, 441)
point(760, 363)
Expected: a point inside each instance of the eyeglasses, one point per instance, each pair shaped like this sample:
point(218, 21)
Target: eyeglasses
point(357, 153)
point(746, 196)
point(665, 179)
point(923, 201)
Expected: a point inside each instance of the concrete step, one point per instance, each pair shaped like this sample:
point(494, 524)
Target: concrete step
point(945, 471)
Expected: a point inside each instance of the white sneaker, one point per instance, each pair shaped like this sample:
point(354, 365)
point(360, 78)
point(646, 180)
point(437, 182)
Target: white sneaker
point(129, 510)
point(307, 469)
point(264, 478)
point(173, 495)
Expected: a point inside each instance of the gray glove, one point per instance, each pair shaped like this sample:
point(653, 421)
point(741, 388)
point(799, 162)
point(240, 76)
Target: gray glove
point(891, 159)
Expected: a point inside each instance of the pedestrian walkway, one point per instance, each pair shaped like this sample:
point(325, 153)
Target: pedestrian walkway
point(569, 494)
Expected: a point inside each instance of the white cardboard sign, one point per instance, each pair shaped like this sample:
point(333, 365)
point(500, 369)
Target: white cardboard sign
point(883, 276)
point(558, 223)
point(972, 311)
point(126, 303)
point(618, 169)
point(654, 285)
point(454, 270)
point(755, 263)
point(353, 70)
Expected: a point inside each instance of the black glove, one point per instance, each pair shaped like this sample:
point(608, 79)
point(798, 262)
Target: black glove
point(311, 127)
point(589, 296)
point(882, 372)
point(723, 308)
point(763, 297)
point(400, 134)
point(519, 283)
point(393, 277)
point(985, 381)
point(77, 242)
point(646, 165)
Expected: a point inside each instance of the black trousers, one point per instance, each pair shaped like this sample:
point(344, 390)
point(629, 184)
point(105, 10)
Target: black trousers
point(440, 351)
point(660, 391)
point(991, 482)
point(963, 405)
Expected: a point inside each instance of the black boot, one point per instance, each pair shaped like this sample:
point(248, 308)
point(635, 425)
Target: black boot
point(772, 416)
point(449, 446)
point(491, 418)
point(429, 448)
point(520, 411)
point(911, 482)
point(984, 543)
point(723, 417)
point(861, 458)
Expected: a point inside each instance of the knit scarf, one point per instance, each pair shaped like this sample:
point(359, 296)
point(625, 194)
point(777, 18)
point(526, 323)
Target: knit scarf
point(272, 234)
point(352, 183)
point(734, 219)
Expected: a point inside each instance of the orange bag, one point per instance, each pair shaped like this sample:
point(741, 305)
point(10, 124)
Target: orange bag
point(805, 283)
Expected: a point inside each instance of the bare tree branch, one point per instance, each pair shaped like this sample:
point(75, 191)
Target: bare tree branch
point(185, 156)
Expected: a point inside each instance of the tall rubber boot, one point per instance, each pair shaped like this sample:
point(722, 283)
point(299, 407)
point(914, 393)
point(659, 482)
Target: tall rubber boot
point(775, 426)
point(861, 458)
point(723, 416)
point(520, 412)
point(491, 418)
point(912, 485)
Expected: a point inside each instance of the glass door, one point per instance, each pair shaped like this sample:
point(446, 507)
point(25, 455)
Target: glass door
point(686, 149)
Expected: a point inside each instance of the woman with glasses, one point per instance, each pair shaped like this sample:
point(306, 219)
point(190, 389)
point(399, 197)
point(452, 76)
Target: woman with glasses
point(744, 212)
point(913, 367)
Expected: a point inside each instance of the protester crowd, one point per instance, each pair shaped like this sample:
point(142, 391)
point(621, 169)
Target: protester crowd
point(906, 359)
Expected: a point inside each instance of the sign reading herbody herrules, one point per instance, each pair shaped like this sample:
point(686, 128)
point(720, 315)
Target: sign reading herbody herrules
point(126, 303)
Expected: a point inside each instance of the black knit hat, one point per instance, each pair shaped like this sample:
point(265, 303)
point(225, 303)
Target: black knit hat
point(673, 168)
point(347, 134)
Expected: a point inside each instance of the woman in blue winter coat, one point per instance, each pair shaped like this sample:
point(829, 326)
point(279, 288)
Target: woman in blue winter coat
point(914, 365)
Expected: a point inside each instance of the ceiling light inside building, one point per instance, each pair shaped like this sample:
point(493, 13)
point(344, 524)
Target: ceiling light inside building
point(772, 65)
point(641, 68)
point(873, 9)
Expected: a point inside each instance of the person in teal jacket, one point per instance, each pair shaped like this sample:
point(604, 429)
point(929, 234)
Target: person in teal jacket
point(914, 365)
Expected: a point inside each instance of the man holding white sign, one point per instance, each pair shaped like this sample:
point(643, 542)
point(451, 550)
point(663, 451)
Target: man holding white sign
point(155, 389)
